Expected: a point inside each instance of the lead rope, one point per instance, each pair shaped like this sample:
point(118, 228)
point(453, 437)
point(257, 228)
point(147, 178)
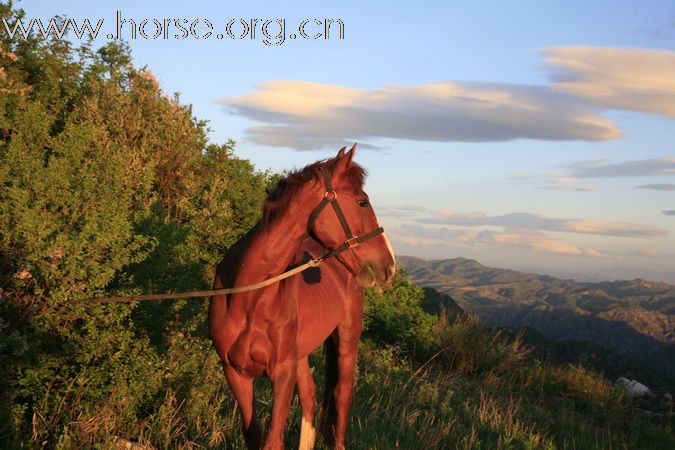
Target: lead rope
point(210, 292)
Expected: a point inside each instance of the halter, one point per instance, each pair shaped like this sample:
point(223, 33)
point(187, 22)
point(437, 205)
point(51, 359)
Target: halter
point(331, 197)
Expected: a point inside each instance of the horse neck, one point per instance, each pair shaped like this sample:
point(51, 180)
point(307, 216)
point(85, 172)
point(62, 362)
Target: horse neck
point(271, 250)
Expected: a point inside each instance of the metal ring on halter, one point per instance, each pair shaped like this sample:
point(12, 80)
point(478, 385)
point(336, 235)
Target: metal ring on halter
point(330, 195)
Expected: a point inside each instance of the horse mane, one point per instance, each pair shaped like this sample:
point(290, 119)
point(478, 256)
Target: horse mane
point(287, 188)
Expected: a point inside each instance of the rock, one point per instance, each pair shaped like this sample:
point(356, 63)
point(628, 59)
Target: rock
point(126, 444)
point(633, 389)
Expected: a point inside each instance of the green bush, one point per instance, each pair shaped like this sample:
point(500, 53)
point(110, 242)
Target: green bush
point(107, 186)
point(396, 318)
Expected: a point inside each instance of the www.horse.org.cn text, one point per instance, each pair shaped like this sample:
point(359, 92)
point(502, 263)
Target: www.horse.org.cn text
point(271, 32)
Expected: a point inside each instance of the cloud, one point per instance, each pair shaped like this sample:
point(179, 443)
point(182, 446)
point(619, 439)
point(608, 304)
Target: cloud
point(637, 168)
point(555, 181)
point(669, 212)
point(401, 211)
point(655, 167)
point(442, 233)
point(532, 176)
point(568, 187)
point(617, 78)
point(532, 240)
point(539, 222)
point(418, 236)
point(650, 252)
point(306, 116)
point(658, 187)
point(586, 81)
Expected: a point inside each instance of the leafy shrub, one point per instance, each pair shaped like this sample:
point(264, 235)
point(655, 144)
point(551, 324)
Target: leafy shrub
point(107, 186)
point(396, 317)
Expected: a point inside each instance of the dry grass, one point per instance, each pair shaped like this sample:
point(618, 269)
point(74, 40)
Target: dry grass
point(475, 393)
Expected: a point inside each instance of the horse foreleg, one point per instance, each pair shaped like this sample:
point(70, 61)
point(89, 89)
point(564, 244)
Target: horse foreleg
point(242, 388)
point(307, 395)
point(283, 378)
point(342, 394)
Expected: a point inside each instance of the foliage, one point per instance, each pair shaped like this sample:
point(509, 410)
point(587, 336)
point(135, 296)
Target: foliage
point(468, 349)
point(396, 317)
point(107, 185)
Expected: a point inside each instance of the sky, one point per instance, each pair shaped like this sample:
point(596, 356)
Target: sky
point(529, 135)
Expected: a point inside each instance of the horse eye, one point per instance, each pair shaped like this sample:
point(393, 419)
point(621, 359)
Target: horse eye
point(363, 203)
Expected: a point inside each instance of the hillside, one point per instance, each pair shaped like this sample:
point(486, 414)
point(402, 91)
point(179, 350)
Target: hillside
point(635, 318)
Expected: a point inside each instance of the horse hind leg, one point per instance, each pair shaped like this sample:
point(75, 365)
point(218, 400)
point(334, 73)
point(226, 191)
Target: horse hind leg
point(328, 410)
point(307, 395)
point(242, 388)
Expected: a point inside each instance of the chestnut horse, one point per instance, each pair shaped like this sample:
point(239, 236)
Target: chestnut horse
point(271, 331)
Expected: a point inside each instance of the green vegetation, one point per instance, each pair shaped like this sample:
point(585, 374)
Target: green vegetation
point(108, 186)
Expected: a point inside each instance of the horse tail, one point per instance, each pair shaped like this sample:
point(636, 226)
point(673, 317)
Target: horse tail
point(328, 410)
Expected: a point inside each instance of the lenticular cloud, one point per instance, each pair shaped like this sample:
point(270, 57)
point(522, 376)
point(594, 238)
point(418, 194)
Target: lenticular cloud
point(307, 116)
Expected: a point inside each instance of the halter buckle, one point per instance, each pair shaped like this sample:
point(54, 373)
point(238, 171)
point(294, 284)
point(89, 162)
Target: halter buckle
point(352, 242)
point(330, 195)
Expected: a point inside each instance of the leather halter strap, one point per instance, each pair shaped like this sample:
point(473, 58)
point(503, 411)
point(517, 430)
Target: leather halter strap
point(331, 197)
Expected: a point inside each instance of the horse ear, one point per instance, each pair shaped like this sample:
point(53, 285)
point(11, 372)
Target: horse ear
point(341, 152)
point(353, 150)
point(345, 160)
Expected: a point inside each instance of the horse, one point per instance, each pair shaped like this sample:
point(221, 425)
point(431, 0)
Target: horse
point(271, 331)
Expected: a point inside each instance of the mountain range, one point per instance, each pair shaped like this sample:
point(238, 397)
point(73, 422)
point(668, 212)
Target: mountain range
point(630, 323)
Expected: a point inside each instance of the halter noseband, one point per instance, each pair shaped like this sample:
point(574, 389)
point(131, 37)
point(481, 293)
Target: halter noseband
point(331, 197)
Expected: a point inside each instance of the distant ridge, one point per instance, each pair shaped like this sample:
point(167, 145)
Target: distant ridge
point(629, 317)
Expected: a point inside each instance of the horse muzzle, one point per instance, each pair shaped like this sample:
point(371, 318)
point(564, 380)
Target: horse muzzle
point(378, 276)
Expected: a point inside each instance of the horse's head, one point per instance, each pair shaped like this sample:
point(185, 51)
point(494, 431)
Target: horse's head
point(345, 218)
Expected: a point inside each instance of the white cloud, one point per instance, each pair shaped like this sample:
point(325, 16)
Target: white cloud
point(554, 181)
point(400, 211)
point(616, 78)
point(658, 187)
point(568, 187)
point(535, 241)
point(420, 236)
point(585, 81)
point(416, 236)
point(635, 168)
point(442, 233)
point(531, 221)
point(534, 176)
point(654, 167)
point(306, 116)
